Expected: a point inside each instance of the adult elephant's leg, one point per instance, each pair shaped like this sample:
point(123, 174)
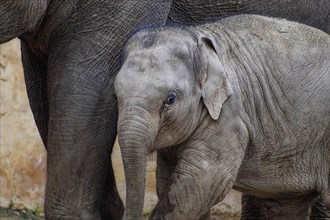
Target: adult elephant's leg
point(82, 107)
point(111, 204)
point(35, 73)
point(81, 134)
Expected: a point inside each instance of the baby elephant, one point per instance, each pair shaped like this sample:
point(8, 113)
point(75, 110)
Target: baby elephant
point(243, 103)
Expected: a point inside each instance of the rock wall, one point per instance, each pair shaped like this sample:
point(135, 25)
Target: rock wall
point(22, 154)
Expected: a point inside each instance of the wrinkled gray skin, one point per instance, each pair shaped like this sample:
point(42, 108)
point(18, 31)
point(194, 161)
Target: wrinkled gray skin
point(240, 103)
point(70, 52)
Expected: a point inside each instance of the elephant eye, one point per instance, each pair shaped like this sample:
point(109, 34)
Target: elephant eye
point(170, 99)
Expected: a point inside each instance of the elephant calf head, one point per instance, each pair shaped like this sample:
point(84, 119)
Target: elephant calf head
point(168, 83)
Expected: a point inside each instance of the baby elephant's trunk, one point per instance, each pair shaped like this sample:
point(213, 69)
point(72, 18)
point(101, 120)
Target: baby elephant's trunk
point(136, 136)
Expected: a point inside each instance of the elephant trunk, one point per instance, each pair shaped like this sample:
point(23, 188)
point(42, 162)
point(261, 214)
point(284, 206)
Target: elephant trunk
point(136, 136)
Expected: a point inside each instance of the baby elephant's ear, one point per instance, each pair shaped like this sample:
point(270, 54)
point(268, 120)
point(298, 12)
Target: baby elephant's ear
point(213, 79)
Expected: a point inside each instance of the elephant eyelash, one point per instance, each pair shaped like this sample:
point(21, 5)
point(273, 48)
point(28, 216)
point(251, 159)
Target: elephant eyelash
point(164, 108)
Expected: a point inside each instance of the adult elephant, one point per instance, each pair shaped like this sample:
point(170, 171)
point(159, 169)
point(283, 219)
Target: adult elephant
point(70, 53)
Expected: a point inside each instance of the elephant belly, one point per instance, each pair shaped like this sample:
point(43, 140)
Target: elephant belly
point(275, 182)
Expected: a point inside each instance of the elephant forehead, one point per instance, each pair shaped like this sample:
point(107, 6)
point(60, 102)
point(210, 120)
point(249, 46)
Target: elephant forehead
point(161, 67)
point(160, 77)
point(150, 75)
point(158, 62)
point(166, 53)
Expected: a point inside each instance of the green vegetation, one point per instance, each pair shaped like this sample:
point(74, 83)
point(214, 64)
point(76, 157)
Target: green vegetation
point(15, 213)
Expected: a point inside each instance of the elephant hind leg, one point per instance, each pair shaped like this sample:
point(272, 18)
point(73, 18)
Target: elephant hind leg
point(249, 211)
point(294, 208)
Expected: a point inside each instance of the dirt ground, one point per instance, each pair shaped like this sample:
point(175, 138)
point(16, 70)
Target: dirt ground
point(15, 214)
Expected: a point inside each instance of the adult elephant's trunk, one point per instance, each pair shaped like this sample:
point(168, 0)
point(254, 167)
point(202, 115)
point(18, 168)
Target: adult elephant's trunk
point(136, 135)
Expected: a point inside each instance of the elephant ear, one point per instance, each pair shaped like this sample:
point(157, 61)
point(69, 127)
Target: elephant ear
point(213, 79)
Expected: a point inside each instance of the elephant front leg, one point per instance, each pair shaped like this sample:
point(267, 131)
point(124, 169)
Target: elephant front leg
point(199, 180)
point(78, 161)
point(81, 133)
point(165, 168)
point(68, 153)
point(166, 163)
